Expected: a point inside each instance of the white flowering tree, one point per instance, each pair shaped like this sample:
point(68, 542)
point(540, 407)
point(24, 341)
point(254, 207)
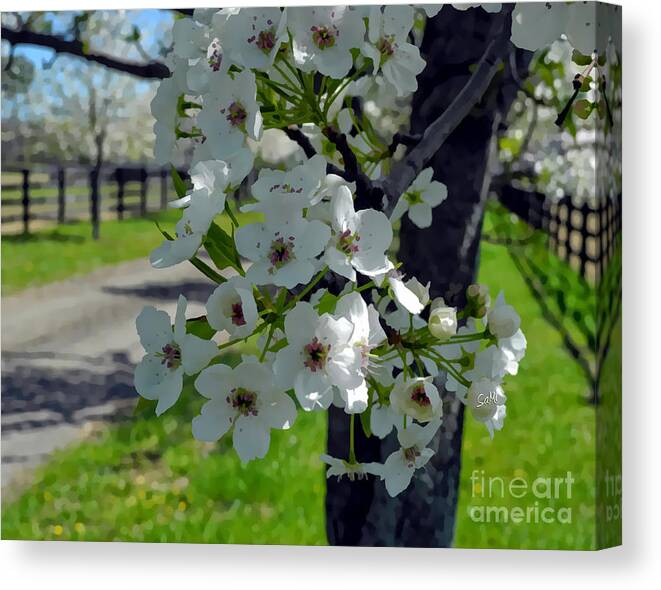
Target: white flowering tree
point(394, 108)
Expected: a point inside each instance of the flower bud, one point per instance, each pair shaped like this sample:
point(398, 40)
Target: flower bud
point(483, 398)
point(478, 300)
point(502, 319)
point(442, 320)
point(421, 291)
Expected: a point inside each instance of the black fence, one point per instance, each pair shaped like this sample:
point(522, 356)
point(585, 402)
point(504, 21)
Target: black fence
point(581, 234)
point(59, 194)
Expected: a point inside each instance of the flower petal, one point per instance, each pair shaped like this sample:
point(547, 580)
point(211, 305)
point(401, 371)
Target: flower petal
point(251, 438)
point(215, 419)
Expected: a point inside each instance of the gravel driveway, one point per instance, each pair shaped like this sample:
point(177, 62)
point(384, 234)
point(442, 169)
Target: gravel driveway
point(68, 352)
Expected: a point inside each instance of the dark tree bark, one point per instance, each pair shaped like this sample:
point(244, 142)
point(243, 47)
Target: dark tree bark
point(151, 70)
point(361, 512)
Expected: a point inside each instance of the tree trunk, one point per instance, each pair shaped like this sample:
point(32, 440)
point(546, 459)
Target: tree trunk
point(361, 512)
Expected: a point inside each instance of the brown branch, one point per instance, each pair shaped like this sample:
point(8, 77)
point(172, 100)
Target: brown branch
point(296, 135)
point(351, 165)
point(151, 70)
point(404, 172)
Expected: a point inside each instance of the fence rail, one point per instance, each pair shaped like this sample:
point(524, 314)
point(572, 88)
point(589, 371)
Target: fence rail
point(58, 194)
point(582, 234)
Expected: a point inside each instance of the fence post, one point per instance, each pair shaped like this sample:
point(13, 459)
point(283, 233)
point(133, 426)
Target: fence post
point(25, 201)
point(94, 201)
point(119, 176)
point(143, 192)
point(585, 234)
point(61, 187)
point(164, 188)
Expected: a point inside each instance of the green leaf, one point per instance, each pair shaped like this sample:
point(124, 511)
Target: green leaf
point(200, 327)
point(579, 59)
point(203, 267)
point(134, 36)
point(279, 345)
point(585, 87)
point(583, 108)
point(144, 407)
point(179, 184)
point(327, 303)
point(365, 421)
point(220, 246)
point(207, 271)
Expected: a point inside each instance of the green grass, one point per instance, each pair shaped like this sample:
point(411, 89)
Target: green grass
point(54, 254)
point(67, 250)
point(549, 430)
point(148, 480)
point(609, 436)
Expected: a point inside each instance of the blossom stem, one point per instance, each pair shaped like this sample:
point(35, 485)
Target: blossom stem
point(330, 100)
point(231, 215)
point(267, 297)
point(467, 337)
point(352, 439)
point(405, 367)
point(364, 287)
point(268, 342)
point(320, 275)
point(289, 83)
point(419, 365)
point(229, 343)
point(447, 366)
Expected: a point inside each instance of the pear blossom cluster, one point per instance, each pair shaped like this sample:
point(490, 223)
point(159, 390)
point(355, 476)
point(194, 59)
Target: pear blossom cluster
point(303, 279)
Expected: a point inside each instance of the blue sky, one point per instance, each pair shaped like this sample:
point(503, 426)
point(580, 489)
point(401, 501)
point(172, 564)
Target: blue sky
point(144, 19)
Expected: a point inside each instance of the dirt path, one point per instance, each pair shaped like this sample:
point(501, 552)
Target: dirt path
point(68, 352)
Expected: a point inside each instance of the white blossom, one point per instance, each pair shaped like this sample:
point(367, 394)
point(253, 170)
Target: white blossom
point(430, 10)
point(538, 24)
point(514, 349)
point(487, 7)
point(189, 38)
point(230, 113)
point(400, 466)
point(164, 110)
point(411, 295)
point(486, 401)
point(318, 356)
point(389, 49)
point(189, 231)
point(239, 164)
point(324, 36)
point(383, 419)
point(231, 307)
point(502, 319)
point(279, 191)
point(282, 251)
point(244, 398)
point(367, 334)
point(360, 238)
point(212, 61)
point(211, 176)
point(170, 353)
point(420, 198)
point(416, 397)
point(254, 35)
point(340, 468)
